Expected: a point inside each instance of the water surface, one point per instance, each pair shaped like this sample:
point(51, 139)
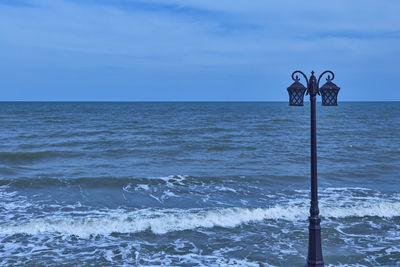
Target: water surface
point(196, 184)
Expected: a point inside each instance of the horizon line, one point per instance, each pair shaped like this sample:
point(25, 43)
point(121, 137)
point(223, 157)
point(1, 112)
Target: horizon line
point(182, 101)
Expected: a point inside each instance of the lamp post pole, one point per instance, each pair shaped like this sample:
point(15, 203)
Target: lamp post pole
point(329, 93)
point(314, 240)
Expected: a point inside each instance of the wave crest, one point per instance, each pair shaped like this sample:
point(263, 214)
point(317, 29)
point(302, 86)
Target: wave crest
point(169, 220)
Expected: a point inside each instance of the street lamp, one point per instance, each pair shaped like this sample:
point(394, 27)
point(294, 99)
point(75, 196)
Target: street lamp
point(329, 92)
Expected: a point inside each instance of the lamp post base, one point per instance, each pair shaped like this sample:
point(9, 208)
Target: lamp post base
point(314, 243)
point(315, 264)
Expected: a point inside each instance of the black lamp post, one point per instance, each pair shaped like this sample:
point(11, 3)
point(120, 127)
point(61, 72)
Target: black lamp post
point(329, 92)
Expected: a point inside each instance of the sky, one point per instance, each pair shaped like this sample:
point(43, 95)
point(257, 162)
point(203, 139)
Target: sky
point(195, 50)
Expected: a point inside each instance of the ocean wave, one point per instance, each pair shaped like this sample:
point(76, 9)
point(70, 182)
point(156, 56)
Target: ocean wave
point(170, 220)
point(103, 181)
point(32, 156)
point(122, 182)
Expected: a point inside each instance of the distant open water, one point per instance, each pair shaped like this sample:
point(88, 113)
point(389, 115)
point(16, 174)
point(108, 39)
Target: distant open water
point(196, 184)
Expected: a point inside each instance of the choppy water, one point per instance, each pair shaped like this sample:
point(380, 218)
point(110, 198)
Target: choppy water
point(193, 184)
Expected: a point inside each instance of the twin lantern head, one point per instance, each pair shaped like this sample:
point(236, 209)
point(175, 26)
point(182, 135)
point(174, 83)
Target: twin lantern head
point(328, 92)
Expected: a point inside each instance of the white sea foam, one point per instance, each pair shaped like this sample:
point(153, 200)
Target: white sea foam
point(144, 187)
point(173, 179)
point(225, 189)
point(383, 209)
point(168, 220)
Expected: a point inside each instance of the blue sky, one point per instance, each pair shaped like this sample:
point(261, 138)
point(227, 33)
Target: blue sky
point(196, 50)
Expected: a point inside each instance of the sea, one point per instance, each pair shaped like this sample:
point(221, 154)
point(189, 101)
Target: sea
point(196, 183)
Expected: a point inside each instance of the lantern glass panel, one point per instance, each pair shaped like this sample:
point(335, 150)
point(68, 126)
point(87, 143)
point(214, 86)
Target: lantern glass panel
point(329, 97)
point(296, 96)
